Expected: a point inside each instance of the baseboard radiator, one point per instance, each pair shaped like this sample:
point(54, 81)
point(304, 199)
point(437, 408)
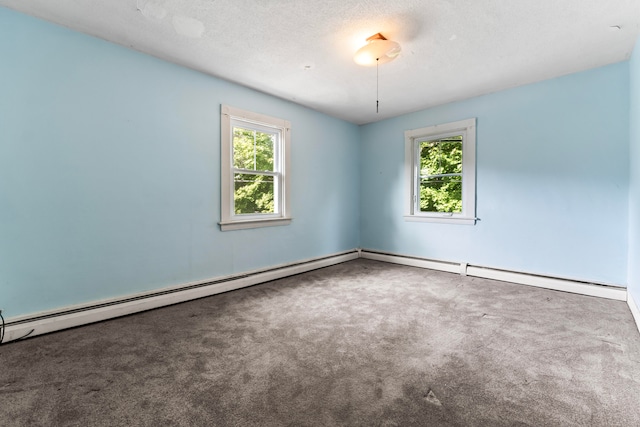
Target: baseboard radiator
point(559, 284)
point(45, 322)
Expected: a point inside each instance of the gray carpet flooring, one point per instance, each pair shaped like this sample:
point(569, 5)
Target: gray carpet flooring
point(362, 343)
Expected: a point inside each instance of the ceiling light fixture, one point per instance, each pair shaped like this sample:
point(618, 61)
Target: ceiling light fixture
point(378, 50)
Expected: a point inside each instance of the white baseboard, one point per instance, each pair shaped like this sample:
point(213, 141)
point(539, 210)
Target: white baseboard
point(635, 311)
point(565, 285)
point(69, 317)
point(412, 262)
point(78, 315)
point(558, 284)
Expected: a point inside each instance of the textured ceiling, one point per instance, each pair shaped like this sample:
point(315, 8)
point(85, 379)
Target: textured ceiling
point(302, 50)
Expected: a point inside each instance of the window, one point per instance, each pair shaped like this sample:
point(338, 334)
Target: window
point(254, 168)
point(440, 171)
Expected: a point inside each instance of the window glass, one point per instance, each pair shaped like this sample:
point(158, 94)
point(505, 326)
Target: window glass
point(441, 175)
point(253, 150)
point(253, 194)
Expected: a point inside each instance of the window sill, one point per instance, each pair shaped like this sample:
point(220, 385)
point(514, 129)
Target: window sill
point(253, 223)
point(441, 219)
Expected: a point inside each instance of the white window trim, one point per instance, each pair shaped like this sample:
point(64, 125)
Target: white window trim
point(468, 215)
point(228, 219)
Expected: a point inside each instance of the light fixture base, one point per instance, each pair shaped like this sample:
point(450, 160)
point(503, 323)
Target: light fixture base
point(376, 36)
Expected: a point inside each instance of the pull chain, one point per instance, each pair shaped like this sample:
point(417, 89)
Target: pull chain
point(377, 84)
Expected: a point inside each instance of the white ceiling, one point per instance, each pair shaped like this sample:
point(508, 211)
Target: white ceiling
point(302, 50)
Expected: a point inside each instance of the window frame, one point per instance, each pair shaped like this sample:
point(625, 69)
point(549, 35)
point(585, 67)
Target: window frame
point(413, 138)
point(229, 220)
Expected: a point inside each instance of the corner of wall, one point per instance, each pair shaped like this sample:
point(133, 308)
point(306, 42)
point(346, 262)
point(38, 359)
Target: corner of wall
point(633, 269)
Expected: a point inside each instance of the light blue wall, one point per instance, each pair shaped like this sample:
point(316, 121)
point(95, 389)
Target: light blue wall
point(634, 181)
point(552, 180)
point(109, 173)
point(109, 176)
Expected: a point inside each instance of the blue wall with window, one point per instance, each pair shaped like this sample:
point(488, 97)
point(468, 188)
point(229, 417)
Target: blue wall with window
point(552, 180)
point(110, 173)
point(634, 190)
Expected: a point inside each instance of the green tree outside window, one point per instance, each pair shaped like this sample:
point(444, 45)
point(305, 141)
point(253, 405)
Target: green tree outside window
point(441, 175)
point(253, 160)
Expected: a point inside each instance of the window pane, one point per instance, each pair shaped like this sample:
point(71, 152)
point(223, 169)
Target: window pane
point(253, 150)
point(265, 151)
point(243, 141)
point(253, 193)
point(441, 156)
point(441, 194)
